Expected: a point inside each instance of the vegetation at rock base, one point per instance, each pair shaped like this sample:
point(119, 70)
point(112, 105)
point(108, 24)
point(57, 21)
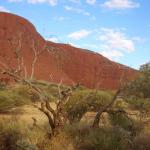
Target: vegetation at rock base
point(140, 88)
point(124, 123)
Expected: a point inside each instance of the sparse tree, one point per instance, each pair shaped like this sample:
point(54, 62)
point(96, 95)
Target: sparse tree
point(57, 117)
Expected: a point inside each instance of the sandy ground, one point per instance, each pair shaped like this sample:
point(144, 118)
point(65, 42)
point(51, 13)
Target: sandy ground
point(26, 113)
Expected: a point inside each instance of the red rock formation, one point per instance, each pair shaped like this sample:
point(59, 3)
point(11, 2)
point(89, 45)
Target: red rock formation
point(58, 61)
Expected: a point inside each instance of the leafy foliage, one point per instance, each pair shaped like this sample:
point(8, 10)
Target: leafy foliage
point(141, 86)
point(86, 100)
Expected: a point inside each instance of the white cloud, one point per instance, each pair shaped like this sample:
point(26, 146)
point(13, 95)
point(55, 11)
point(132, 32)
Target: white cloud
point(51, 2)
point(91, 2)
point(61, 18)
point(139, 39)
point(11, 1)
point(3, 9)
point(117, 40)
point(80, 11)
point(75, 1)
point(90, 46)
point(115, 43)
point(74, 45)
point(112, 54)
point(79, 34)
point(53, 39)
point(120, 4)
point(68, 8)
point(77, 10)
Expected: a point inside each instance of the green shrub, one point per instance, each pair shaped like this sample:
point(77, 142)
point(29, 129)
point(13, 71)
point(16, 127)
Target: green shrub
point(86, 100)
point(120, 119)
point(141, 104)
point(13, 97)
point(141, 86)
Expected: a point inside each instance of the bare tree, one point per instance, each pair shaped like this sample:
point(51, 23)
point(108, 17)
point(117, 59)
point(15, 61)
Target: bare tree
point(58, 117)
point(16, 41)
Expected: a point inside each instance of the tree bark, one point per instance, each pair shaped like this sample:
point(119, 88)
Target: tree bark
point(99, 113)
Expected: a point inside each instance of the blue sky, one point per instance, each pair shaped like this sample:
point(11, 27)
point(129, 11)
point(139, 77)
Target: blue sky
point(117, 29)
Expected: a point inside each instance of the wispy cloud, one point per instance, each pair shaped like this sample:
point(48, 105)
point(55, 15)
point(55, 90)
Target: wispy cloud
point(75, 1)
point(139, 39)
point(79, 34)
point(51, 2)
point(14, 1)
point(3, 9)
point(91, 2)
point(112, 54)
point(120, 4)
point(115, 43)
point(77, 10)
point(90, 46)
point(80, 11)
point(61, 18)
point(53, 39)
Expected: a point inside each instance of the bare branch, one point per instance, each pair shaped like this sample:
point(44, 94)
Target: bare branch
point(59, 88)
point(36, 54)
point(97, 117)
point(51, 123)
point(34, 60)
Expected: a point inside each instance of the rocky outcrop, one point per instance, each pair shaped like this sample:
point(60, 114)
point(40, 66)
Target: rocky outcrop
point(57, 61)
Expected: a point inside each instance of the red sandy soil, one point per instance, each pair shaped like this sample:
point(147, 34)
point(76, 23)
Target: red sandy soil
point(57, 61)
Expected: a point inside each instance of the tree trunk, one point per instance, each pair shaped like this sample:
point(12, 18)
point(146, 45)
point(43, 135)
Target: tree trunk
point(99, 113)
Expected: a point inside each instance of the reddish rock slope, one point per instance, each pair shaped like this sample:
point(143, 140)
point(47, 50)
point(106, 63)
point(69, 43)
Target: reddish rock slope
point(57, 61)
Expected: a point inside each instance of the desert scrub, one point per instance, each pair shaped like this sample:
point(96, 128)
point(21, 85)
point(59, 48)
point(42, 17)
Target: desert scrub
point(139, 103)
point(140, 87)
point(121, 120)
point(20, 94)
point(86, 100)
point(62, 141)
point(13, 97)
point(86, 138)
point(16, 135)
point(13, 136)
point(142, 142)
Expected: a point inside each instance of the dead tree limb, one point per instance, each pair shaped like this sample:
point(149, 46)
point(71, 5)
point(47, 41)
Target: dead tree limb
point(104, 109)
point(35, 57)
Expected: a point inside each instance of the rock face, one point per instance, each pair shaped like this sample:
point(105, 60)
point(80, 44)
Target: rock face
point(56, 61)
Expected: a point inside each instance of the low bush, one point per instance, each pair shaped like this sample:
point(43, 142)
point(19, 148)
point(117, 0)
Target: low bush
point(13, 97)
point(141, 86)
point(121, 120)
point(86, 100)
point(86, 138)
point(15, 135)
point(142, 142)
